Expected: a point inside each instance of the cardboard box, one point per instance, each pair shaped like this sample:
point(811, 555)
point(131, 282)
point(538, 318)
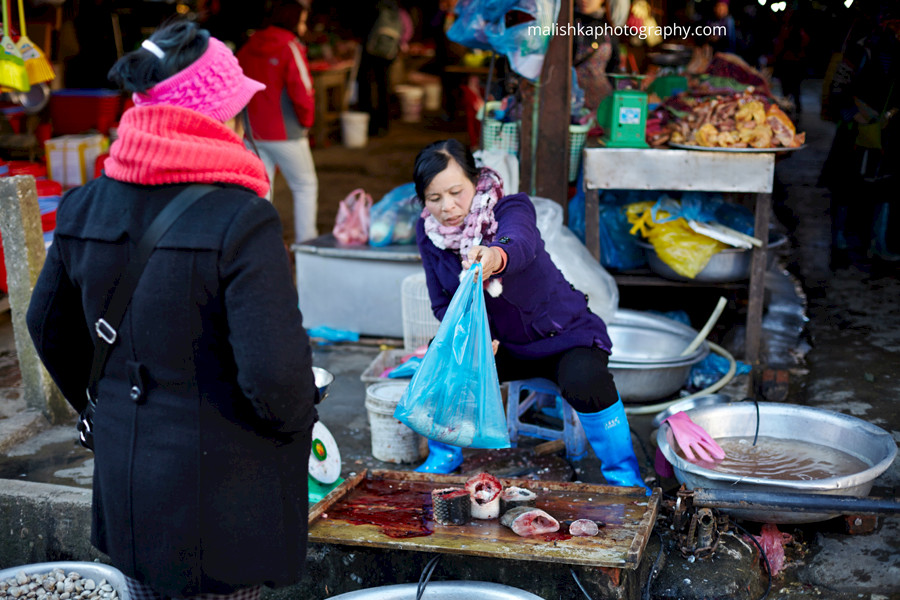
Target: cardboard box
point(71, 158)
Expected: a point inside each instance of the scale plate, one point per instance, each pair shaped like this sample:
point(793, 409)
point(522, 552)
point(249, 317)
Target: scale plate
point(324, 458)
point(734, 150)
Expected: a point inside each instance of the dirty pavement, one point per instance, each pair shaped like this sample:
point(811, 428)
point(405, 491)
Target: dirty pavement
point(835, 334)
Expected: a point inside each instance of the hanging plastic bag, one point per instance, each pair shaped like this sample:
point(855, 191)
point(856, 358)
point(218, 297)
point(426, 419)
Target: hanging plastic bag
point(351, 226)
point(483, 24)
point(394, 217)
point(575, 261)
point(454, 396)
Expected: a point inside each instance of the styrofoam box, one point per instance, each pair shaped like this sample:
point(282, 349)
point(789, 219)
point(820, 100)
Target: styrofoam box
point(354, 288)
point(71, 158)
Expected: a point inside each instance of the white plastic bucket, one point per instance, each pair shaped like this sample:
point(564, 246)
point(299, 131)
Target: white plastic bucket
point(410, 102)
point(433, 95)
point(355, 129)
point(392, 441)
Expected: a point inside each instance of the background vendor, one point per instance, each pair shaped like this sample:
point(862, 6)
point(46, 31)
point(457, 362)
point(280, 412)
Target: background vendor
point(540, 323)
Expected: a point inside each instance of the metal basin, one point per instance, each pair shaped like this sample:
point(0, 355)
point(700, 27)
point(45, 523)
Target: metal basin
point(442, 590)
point(87, 570)
point(645, 361)
point(867, 442)
point(731, 264)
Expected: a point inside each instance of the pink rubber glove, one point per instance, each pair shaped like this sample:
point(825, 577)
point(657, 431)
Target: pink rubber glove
point(693, 439)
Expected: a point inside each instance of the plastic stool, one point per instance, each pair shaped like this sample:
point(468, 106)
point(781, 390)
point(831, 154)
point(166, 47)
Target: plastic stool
point(540, 393)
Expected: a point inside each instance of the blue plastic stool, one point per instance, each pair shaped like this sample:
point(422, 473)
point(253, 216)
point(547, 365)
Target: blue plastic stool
point(533, 394)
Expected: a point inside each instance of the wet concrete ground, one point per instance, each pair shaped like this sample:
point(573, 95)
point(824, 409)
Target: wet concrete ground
point(845, 359)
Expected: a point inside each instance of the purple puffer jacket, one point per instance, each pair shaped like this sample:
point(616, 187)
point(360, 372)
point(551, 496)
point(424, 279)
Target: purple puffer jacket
point(539, 313)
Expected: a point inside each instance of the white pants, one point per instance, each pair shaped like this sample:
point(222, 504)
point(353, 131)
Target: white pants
point(294, 159)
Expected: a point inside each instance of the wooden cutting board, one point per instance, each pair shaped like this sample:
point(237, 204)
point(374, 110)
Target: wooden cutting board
point(392, 509)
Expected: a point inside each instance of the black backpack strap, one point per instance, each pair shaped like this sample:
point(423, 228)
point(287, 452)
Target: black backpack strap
point(106, 326)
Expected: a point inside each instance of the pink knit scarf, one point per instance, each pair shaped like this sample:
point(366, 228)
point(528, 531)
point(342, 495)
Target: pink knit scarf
point(478, 227)
point(169, 144)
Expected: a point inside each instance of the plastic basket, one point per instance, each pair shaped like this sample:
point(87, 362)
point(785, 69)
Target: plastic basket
point(577, 138)
point(419, 322)
point(386, 359)
point(74, 111)
point(498, 135)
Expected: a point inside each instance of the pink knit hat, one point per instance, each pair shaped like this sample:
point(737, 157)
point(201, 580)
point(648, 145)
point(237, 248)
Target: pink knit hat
point(214, 85)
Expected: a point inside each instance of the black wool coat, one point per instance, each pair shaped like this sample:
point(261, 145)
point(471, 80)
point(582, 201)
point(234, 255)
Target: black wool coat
point(206, 406)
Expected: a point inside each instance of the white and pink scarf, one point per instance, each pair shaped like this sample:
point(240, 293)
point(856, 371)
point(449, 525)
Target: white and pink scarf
point(477, 228)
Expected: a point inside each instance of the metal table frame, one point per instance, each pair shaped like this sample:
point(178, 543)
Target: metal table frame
point(689, 170)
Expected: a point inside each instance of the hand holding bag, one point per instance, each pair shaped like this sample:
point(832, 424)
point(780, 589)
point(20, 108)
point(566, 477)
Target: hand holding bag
point(454, 396)
point(351, 226)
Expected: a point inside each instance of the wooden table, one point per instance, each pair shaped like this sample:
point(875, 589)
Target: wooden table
point(331, 91)
point(628, 516)
point(689, 170)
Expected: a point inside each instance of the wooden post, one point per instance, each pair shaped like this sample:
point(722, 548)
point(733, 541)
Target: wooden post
point(23, 250)
point(544, 166)
point(757, 290)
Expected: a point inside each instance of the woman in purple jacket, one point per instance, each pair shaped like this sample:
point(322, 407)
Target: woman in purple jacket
point(540, 324)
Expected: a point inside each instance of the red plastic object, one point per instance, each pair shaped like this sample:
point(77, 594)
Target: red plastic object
point(98, 164)
point(74, 111)
point(48, 187)
point(24, 167)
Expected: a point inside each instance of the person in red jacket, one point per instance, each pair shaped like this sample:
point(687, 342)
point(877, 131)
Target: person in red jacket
point(281, 115)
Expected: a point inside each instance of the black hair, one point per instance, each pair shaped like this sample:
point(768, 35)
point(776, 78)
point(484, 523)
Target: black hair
point(285, 14)
point(181, 40)
point(434, 158)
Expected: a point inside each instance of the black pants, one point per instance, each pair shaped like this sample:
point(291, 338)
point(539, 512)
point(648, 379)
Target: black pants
point(582, 375)
point(373, 94)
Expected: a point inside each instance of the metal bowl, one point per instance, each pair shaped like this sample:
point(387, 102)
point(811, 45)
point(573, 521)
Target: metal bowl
point(442, 590)
point(645, 360)
point(324, 380)
point(88, 570)
point(869, 443)
point(731, 264)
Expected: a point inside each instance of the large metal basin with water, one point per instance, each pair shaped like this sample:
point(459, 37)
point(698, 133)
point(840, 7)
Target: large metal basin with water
point(867, 442)
point(646, 360)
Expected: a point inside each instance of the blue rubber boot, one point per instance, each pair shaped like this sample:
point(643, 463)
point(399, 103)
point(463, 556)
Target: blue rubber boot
point(610, 437)
point(442, 458)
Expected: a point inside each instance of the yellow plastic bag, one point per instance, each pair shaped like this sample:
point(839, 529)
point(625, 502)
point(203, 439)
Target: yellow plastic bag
point(683, 249)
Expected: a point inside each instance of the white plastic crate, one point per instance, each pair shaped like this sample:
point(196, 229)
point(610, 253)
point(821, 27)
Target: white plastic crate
point(386, 359)
point(71, 158)
point(419, 322)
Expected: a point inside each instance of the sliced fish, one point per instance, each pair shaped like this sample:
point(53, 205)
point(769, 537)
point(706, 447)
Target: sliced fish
point(527, 521)
point(583, 528)
point(484, 492)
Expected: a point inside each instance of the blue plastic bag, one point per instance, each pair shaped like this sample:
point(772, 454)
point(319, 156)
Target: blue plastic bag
point(454, 396)
point(392, 220)
point(483, 24)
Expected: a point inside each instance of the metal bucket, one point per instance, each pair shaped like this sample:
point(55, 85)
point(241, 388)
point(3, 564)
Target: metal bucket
point(442, 590)
point(645, 361)
point(869, 443)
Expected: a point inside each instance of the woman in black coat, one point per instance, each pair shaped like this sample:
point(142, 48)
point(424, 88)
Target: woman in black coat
point(205, 409)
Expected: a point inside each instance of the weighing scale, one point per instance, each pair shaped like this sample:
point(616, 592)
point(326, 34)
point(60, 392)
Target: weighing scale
point(324, 473)
point(623, 115)
point(324, 464)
